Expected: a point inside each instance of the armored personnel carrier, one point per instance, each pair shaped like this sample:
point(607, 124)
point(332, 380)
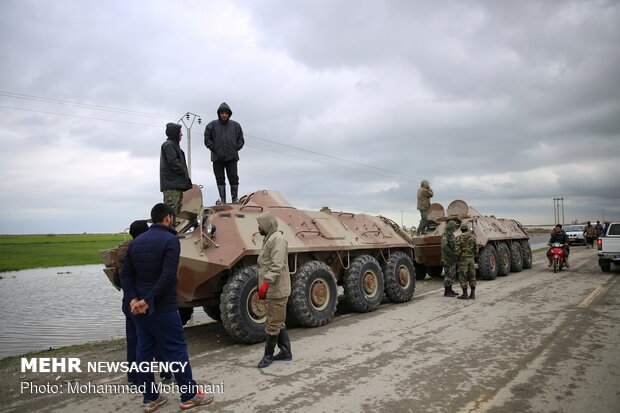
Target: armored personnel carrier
point(366, 255)
point(503, 243)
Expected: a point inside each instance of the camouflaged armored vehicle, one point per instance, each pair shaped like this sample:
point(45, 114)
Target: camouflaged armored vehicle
point(503, 244)
point(368, 256)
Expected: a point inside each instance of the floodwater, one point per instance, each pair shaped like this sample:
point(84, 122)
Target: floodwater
point(61, 306)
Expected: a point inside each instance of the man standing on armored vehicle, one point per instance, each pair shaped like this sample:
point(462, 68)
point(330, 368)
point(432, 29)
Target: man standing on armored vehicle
point(224, 138)
point(425, 193)
point(274, 283)
point(449, 258)
point(465, 251)
point(173, 175)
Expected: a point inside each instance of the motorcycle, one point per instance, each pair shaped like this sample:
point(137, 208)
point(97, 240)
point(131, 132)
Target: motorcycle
point(557, 256)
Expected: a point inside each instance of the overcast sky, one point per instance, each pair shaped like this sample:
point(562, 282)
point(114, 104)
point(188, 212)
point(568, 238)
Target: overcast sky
point(346, 104)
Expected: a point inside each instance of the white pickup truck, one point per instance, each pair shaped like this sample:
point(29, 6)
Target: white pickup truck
point(609, 247)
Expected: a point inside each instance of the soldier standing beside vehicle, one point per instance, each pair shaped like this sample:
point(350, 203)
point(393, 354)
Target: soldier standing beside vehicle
point(224, 138)
point(466, 250)
point(599, 229)
point(274, 286)
point(425, 193)
point(173, 175)
point(449, 258)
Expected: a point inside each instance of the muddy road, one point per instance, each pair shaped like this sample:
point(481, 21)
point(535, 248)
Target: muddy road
point(533, 341)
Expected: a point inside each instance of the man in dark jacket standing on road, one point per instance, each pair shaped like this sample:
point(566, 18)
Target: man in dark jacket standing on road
point(224, 138)
point(173, 175)
point(274, 286)
point(149, 281)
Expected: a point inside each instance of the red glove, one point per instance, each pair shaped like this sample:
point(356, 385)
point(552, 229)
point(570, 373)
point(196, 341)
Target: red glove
point(262, 290)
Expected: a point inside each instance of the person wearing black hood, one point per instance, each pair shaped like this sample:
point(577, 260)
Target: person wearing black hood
point(224, 138)
point(173, 175)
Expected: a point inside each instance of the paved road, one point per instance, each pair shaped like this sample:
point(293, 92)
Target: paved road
point(533, 341)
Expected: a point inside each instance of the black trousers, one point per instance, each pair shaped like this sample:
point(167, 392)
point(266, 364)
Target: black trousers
point(231, 172)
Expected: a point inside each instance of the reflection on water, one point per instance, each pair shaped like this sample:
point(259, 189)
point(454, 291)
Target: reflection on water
point(55, 307)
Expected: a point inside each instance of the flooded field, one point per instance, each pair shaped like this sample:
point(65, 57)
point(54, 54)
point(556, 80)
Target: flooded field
point(55, 307)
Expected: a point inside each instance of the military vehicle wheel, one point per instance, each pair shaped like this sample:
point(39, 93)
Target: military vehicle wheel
point(435, 271)
point(243, 314)
point(314, 294)
point(399, 277)
point(213, 312)
point(503, 259)
point(420, 271)
point(516, 257)
point(487, 262)
point(185, 313)
point(363, 284)
point(527, 255)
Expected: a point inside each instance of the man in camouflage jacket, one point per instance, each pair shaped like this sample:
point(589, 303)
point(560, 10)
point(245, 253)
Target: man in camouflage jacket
point(466, 250)
point(449, 258)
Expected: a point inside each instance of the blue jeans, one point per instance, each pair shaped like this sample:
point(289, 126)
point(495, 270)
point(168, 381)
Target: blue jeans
point(132, 345)
point(163, 330)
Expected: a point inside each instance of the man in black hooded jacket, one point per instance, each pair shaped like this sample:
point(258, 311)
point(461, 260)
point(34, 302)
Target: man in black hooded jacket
point(173, 175)
point(224, 138)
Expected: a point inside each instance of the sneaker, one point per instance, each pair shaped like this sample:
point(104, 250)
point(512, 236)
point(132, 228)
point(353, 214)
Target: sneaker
point(200, 399)
point(154, 404)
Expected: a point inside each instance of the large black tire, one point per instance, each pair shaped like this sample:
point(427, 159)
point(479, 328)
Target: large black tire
point(503, 259)
point(516, 257)
point(185, 313)
point(363, 284)
point(420, 271)
point(435, 271)
point(527, 254)
point(314, 294)
point(213, 312)
point(243, 314)
point(605, 266)
point(487, 263)
point(399, 277)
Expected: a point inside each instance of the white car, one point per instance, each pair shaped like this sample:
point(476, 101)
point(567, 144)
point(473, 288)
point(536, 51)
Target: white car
point(575, 234)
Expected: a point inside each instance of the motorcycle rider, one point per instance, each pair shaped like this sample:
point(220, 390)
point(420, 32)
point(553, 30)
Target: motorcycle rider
point(559, 235)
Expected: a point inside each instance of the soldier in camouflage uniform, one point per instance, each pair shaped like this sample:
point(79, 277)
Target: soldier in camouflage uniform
point(465, 251)
point(448, 258)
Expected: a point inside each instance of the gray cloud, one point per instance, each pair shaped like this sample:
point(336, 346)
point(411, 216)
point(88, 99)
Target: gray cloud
point(347, 104)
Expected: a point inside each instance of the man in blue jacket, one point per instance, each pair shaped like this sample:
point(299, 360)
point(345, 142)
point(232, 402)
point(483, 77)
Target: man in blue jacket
point(149, 282)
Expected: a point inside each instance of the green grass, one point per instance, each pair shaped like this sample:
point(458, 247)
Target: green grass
point(20, 252)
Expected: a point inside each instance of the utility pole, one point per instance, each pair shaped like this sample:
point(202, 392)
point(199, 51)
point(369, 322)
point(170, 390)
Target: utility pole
point(401, 217)
point(558, 210)
point(185, 119)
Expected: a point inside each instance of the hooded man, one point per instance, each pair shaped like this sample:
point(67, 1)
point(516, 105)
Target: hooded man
point(224, 138)
point(449, 258)
point(274, 286)
point(173, 175)
point(425, 193)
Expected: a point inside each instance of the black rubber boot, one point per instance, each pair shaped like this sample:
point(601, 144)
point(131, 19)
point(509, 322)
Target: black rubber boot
point(449, 293)
point(234, 192)
point(284, 343)
point(222, 190)
point(270, 346)
point(464, 295)
point(472, 295)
